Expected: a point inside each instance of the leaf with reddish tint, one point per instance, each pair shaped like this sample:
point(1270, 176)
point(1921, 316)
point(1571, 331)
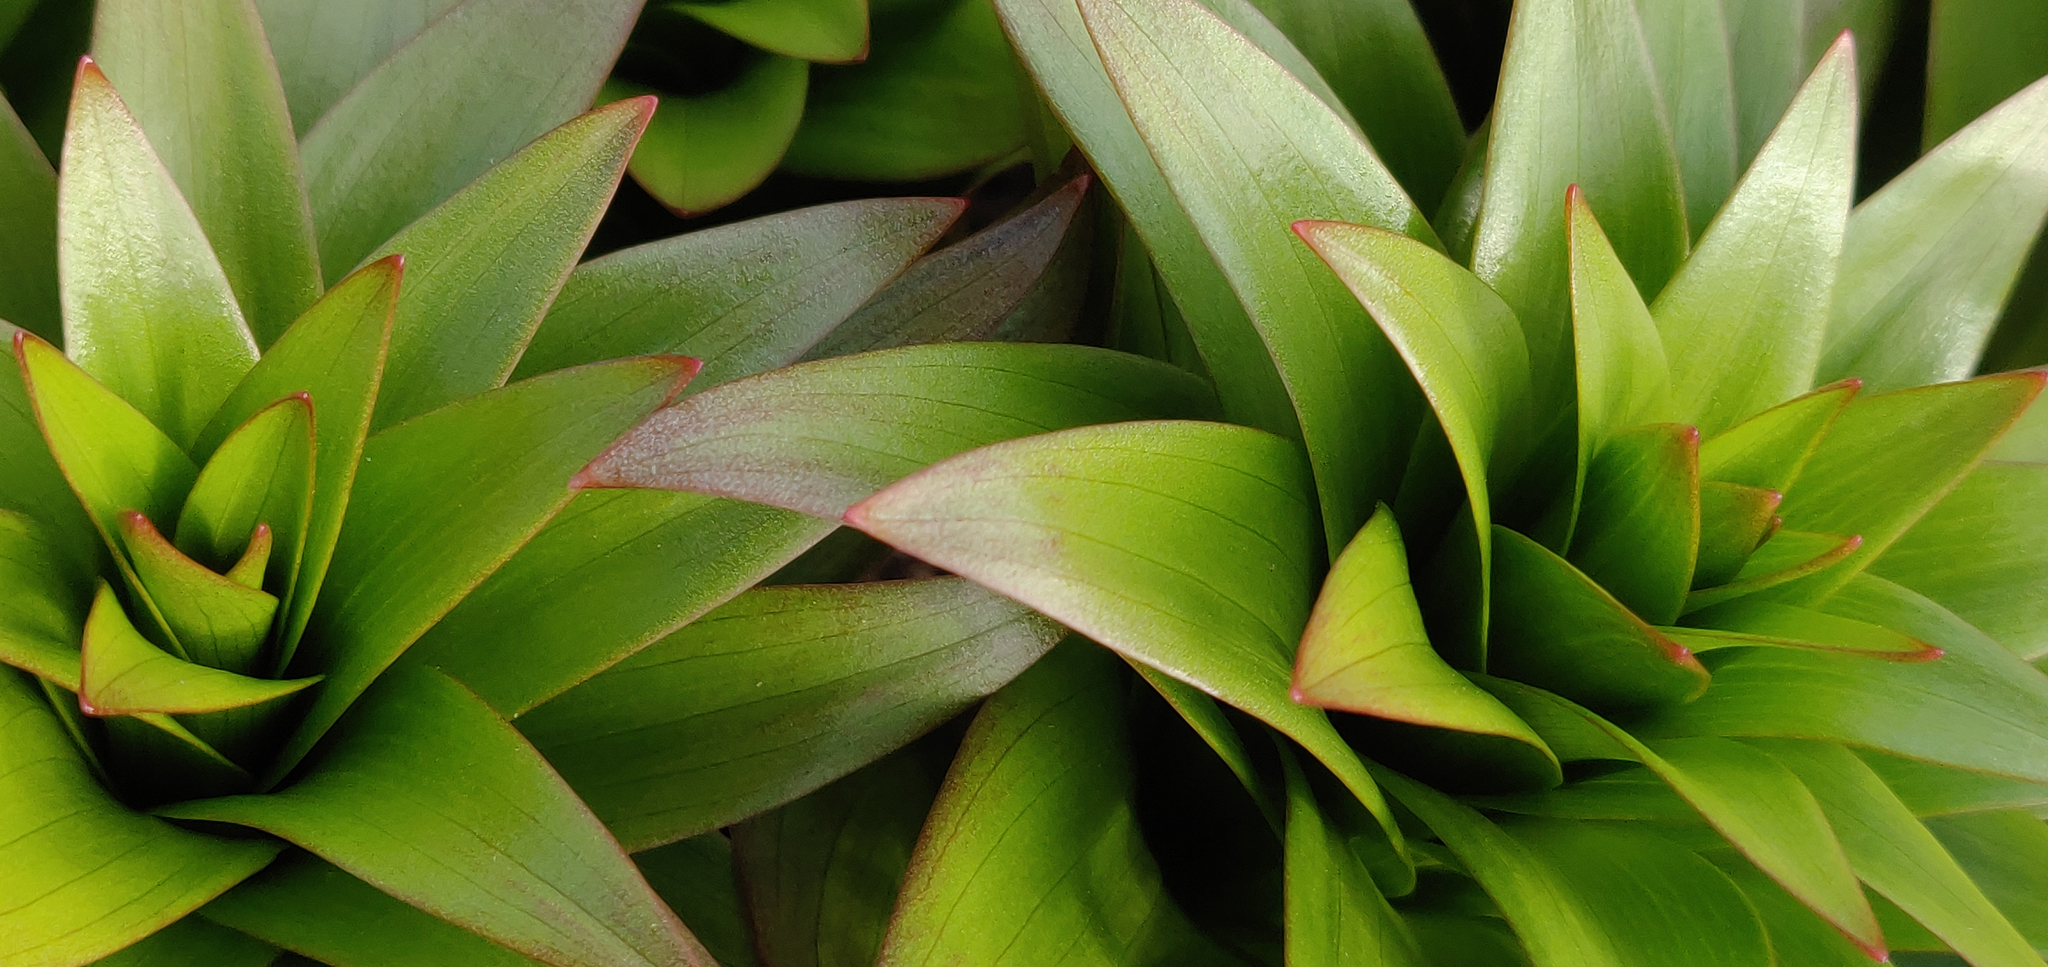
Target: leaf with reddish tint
point(216, 620)
point(1785, 556)
point(1751, 622)
point(126, 675)
point(1734, 521)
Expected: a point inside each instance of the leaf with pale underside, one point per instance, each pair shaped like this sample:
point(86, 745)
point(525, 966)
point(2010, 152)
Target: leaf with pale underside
point(1638, 531)
point(126, 675)
point(1771, 449)
point(217, 620)
point(1983, 554)
point(1735, 522)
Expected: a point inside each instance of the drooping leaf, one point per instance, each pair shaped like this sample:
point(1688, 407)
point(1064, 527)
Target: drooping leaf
point(1623, 378)
point(1245, 158)
point(819, 437)
point(200, 79)
point(2003, 853)
point(1744, 317)
point(87, 876)
point(1188, 547)
point(1983, 554)
point(194, 942)
point(705, 294)
point(216, 620)
point(705, 150)
point(1929, 259)
point(486, 262)
point(501, 73)
point(28, 231)
point(1335, 914)
point(1979, 52)
point(1735, 521)
point(828, 31)
point(1639, 531)
point(306, 905)
point(1746, 623)
point(444, 499)
point(124, 674)
point(1770, 449)
point(1689, 47)
point(776, 694)
point(147, 310)
point(698, 880)
point(260, 476)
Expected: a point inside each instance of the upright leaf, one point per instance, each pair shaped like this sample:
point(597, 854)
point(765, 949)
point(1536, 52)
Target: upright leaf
point(1335, 914)
point(261, 476)
point(1769, 450)
point(147, 309)
point(1624, 379)
point(200, 79)
point(1767, 43)
point(323, 49)
point(1983, 554)
point(219, 621)
point(42, 616)
point(1689, 47)
point(1979, 52)
point(1744, 317)
point(35, 485)
point(28, 231)
point(1639, 524)
point(1735, 521)
point(124, 674)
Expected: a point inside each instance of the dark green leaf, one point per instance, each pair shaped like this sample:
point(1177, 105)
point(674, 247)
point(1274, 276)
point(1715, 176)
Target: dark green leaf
point(124, 674)
point(501, 846)
point(1979, 52)
point(147, 310)
point(1689, 46)
point(194, 942)
point(217, 621)
point(776, 694)
point(697, 879)
point(1983, 554)
point(1798, 935)
point(261, 476)
point(1639, 524)
point(1206, 718)
point(1770, 449)
point(1336, 916)
point(1623, 379)
point(34, 485)
point(2004, 853)
point(28, 231)
point(42, 615)
point(704, 150)
point(832, 31)
point(1735, 520)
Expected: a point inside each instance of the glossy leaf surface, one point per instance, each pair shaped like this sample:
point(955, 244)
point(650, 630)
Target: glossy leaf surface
point(1688, 42)
point(705, 150)
point(261, 475)
point(1638, 532)
point(1623, 378)
point(124, 674)
point(1983, 554)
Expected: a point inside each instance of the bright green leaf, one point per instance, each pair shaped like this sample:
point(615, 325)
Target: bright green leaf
point(28, 231)
point(831, 31)
point(1785, 556)
point(702, 151)
point(42, 615)
point(1639, 531)
point(126, 675)
point(1336, 916)
point(1983, 554)
point(1689, 46)
point(34, 485)
point(1735, 521)
point(1752, 622)
point(217, 621)
point(261, 475)
point(1770, 449)
point(1932, 790)
point(1623, 379)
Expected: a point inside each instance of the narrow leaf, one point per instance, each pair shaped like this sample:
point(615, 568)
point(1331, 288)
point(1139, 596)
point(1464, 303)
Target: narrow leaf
point(1770, 449)
point(2003, 852)
point(1784, 557)
point(1623, 378)
point(28, 231)
point(1689, 46)
point(1983, 554)
point(218, 621)
point(1639, 524)
point(1735, 522)
point(1752, 622)
point(35, 486)
point(1933, 790)
point(42, 615)
point(322, 50)
point(698, 880)
point(1335, 914)
point(126, 675)
point(261, 476)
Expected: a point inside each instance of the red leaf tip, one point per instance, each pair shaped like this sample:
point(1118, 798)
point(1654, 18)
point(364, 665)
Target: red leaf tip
point(856, 516)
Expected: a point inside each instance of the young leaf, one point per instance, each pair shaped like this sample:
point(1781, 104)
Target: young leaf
point(1623, 379)
point(1735, 521)
point(87, 875)
point(1743, 318)
point(1983, 554)
point(776, 694)
point(819, 437)
point(28, 231)
point(200, 80)
point(1929, 259)
point(705, 294)
point(1785, 556)
point(1189, 547)
point(219, 622)
point(706, 150)
point(501, 73)
point(147, 310)
point(1347, 384)
point(516, 858)
point(126, 675)
point(35, 485)
point(261, 475)
point(1770, 450)
point(825, 31)
point(1752, 622)
point(444, 499)
point(1638, 532)
point(486, 262)
point(1335, 914)
point(1688, 42)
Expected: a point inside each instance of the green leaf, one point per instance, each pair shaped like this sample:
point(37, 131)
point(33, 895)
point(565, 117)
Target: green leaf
point(2027, 441)
point(86, 876)
point(1785, 556)
point(1983, 554)
point(1208, 721)
point(705, 150)
point(323, 49)
point(1577, 93)
point(1766, 43)
point(1623, 379)
point(697, 879)
point(486, 262)
point(1752, 622)
point(194, 942)
point(1555, 628)
point(306, 905)
point(830, 31)
point(819, 437)
point(1245, 159)
point(444, 499)
point(1798, 936)
point(501, 847)
point(1053, 41)
point(1899, 858)
point(1735, 522)
point(33, 483)
point(1771, 449)
point(1978, 707)
point(1932, 790)
point(28, 231)
point(42, 615)
point(1930, 258)
point(1979, 52)
point(261, 476)
point(334, 355)
point(1035, 836)
point(705, 294)
point(200, 79)
point(1365, 649)
point(126, 675)
point(1188, 547)
point(1689, 47)
point(1639, 531)
point(938, 93)
point(2004, 853)
point(147, 310)
point(965, 290)
point(1461, 343)
point(776, 694)
point(1744, 317)
point(217, 621)
point(1335, 914)
point(1890, 459)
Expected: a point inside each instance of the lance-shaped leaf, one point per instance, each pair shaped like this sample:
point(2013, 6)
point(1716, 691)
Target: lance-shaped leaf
point(1978, 707)
point(1766, 41)
point(1744, 317)
point(147, 310)
point(126, 675)
point(1899, 858)
point(486, 263)
point(1335, 914)
point(1933, 790)
point(200, 79)
point(1735, 521)
point(195, 942)
point(261, 476)
point(1578, 106)
point(444, 499)
point(1189, 547)
point(502, 73)
point(218, 621)
point(42, 615)
point(1623, 379)
point(776, 694)
point(827, 31)
point(1785, 556)
point(965, 290)
point(1979, 52)
point(35, 485)
point(1365, 649)
point(1555, 628)
point(702, 151)
point(1246, 158)
point(322, 50)
point(1929, 259)
point(1461, 343)
point(706, 294)
point(308, 906)
point(334, 355)
point(1770, 450)
point(1688, 42)
point(1639, 523)
point(501, 847)
point(1034, 834)
point(1983, 554)
point(819, 437)
point(1752, 622)
point(28, 231)
point(698, 880)
point(1798, 935)
point(2003, 852)
point(1053, 41)
point(1890, 459)
point(87, 876)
